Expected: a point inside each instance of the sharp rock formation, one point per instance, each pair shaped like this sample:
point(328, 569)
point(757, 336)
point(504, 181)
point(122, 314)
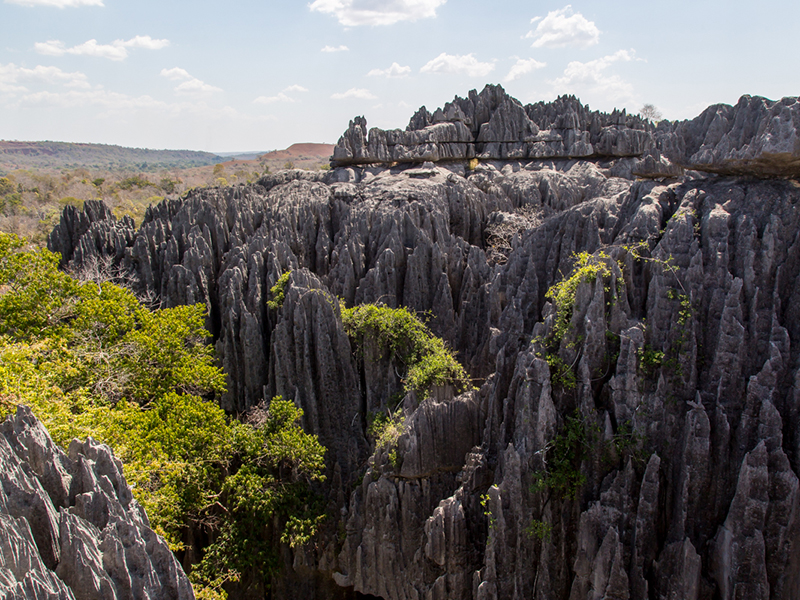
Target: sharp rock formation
point(668, 405)
point(69, 526)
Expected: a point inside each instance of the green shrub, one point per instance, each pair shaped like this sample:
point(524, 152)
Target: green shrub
point(278, 291)
point(563, 458)
point(71, 201)
point(6, 186)
point(540, 530)
point(587, 268)
point(386, 428)
point(135, 181)
point(428, 361)
point(650, 359)
point(561, 374)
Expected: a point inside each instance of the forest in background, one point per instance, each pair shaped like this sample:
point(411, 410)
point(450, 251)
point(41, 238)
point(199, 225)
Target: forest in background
point(32, 198)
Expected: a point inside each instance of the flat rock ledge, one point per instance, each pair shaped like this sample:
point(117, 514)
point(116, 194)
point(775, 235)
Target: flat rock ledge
point(69, 526)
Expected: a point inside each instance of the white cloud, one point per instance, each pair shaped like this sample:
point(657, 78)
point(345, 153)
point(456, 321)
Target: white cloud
point(57, 3)
point(12, 77)
point(144, 41)
point(355, 93)
point(522, 67)
point(195, 86)
point(176, 74)
point(394, 71)
point(462, 65)
point(281, 97)
point(562, 28)
point(334, 49)
point(50, 48)
point(352, 13)
point(116, 50)
point(90, 48)
point(190, 84)
point(591, 77)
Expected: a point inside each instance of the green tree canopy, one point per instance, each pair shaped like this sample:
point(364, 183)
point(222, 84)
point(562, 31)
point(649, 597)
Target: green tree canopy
point(90, 359)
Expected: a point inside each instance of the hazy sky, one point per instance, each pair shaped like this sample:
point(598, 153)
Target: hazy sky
point(263, 74)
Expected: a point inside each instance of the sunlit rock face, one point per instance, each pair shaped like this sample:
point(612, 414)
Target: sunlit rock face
point(676, 371)
point(69, 526)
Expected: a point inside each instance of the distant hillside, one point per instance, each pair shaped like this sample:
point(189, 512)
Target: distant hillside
point(60, 155)
point(302, 156)
point(242, 155)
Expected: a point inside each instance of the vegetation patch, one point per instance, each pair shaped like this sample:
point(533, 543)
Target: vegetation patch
point(563, 457)
point(561, 374)
point(427, 359)
point(90, 360)
point(587, 268)
point(650, 359)
point(540, 530)
point(278, 292)
point(385, 429)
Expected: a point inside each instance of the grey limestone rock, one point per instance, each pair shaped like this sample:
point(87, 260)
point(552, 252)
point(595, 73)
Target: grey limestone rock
point(69, 526)
point(757, 137)
point(684, 356)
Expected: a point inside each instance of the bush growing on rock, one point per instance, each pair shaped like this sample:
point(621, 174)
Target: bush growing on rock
point(428, 361)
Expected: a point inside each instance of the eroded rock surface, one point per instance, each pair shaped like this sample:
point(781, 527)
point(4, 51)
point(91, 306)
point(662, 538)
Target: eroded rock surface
point(756, 137)
point(69, 527)
point(684, 353)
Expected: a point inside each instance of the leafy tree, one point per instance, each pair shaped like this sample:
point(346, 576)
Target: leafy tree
point(6, 187)
point(91, 360)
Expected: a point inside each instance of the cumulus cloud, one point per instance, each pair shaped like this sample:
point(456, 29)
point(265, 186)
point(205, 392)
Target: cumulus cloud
point(335, 49)
point(195, 86)
point(361, 93)
point(281, 97)
point(189, 84)
point(57, 3)
point(523, 66)
point(394, 71)
point(175, 73)
point(116, 50)
point(563, 28)
point(462, 65)
point(13, 78)
point(591, 77)
point(352, 13)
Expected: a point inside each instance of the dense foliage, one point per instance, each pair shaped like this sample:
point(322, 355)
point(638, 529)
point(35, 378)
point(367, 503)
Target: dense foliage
point(278, 292)
point(428, 361)
point(587, 268)
point(91, 360)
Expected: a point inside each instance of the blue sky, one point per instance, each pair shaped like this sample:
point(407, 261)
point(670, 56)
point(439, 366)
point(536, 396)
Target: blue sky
point(263, 74)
